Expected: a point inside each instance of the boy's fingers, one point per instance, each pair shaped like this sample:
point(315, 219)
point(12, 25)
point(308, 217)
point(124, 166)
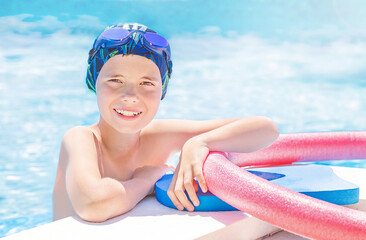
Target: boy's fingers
point(190, 189)
point(172, 195)
point(175, 200)
point(201, 180)
point(179, 192)
point(202, 183)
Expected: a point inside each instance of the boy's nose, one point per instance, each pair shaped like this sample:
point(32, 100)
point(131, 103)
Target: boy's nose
point(129, 95)
point(129, 99)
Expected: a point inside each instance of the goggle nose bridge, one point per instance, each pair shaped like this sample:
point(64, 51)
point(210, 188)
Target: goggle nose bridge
point(134, 38)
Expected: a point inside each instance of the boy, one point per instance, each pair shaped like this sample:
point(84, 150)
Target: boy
point(105, 169)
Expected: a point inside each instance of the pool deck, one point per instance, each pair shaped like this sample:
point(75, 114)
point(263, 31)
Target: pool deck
point(151, 220)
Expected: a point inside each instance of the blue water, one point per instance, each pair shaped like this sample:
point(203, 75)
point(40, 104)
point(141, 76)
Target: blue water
point(301, 64)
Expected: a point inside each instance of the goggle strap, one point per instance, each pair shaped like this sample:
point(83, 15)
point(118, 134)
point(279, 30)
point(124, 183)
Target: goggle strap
point(133, 27)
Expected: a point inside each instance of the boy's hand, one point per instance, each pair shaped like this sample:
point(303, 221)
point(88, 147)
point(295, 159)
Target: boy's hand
point(194, 153)
point(153, 173)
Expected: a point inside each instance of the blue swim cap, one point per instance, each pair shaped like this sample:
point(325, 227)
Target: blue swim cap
point(126, 39)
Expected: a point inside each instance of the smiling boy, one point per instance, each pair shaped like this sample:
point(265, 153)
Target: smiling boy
point(105, 169)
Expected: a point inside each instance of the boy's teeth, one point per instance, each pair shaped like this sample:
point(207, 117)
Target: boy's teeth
point(128, 113)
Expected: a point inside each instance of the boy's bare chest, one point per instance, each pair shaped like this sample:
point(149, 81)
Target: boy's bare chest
point(123, 168)
point(120, 172)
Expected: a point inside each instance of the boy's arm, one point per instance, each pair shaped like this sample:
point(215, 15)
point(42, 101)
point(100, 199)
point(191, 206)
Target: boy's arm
point(241, 135)
point(94, 198)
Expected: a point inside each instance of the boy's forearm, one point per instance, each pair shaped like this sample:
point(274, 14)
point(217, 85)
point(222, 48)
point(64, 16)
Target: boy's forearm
point(117, 198)
point(243, 135)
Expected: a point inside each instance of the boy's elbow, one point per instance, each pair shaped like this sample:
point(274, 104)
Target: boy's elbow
point(91, 215)
point(99, 212)
point(104, 207)
point(92, 211)
point(270, 127)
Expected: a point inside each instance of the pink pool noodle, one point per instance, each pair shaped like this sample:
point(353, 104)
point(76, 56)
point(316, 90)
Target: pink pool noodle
point(282, 207)
point(321, 146)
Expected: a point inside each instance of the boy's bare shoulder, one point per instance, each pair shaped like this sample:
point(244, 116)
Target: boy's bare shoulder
point(78, 136)
point(77, 132)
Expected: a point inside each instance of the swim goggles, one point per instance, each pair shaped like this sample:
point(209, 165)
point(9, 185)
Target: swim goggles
point(116, 36)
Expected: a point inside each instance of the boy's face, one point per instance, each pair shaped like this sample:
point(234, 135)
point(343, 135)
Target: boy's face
point(128, 90)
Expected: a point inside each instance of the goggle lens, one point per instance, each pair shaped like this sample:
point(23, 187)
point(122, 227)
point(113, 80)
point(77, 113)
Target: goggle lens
point(156, 40)
point(115, 34)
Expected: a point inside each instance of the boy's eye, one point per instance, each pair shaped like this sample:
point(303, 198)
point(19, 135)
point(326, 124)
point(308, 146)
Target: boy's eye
point(115, 80)
point(147, 83)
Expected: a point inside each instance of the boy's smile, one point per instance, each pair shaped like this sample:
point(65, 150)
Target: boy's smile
point(127, 113)
point(128, 90)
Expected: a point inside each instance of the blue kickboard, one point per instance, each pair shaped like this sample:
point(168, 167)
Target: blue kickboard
point(317, 181)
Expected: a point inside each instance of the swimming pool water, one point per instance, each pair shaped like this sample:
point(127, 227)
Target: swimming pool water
point(315, 81)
